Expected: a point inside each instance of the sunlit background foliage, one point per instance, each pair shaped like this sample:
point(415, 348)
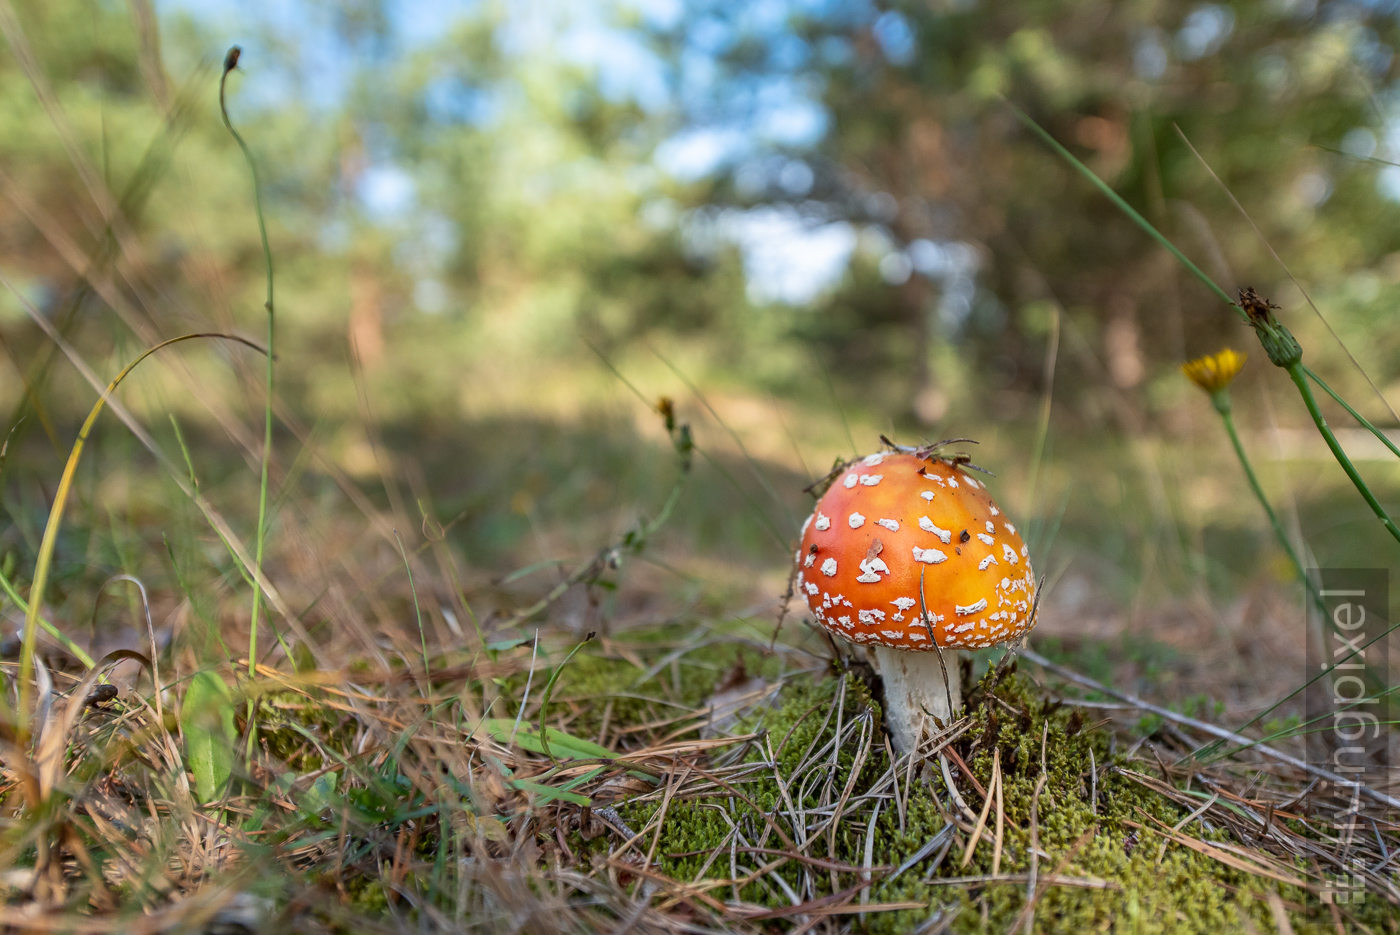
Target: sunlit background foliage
point(809, 222)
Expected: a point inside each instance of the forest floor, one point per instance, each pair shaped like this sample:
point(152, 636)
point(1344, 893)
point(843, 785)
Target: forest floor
point(690, 777)
point(570, 748)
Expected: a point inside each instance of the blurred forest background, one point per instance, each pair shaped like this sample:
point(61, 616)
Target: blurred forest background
point(503, 230)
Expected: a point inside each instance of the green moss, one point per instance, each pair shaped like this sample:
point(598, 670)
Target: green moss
point(367, 895)
point(1146, 888)
point(1185, 893)
point(277, 713)
point(592, 682)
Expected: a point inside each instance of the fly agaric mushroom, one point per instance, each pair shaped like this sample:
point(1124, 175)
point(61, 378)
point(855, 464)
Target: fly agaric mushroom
point(907, 554)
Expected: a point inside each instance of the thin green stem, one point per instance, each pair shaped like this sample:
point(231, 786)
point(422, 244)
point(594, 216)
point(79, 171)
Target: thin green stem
point(1221, 402)
point(1385, 440)
point(422, 638)
point(184, 450)
point(549, 690)
point(1123, 206)
point(1279, 532)
point(1300, 380)
point(230, 63)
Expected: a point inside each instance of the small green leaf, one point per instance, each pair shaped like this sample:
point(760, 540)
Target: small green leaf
point(560, 744)
point(549, 792)
point(206, 720)
point(318, 797)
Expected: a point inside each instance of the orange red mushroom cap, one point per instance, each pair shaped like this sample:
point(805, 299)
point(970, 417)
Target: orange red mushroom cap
point(889, 519)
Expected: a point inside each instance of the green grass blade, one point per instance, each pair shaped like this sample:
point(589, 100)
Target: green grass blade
point(586, 777)
point(1296, 372)
point(184, 450)
point(549, 690)
point(528, 738)
point(548, 793)
point(1354, 414)
point(1122, 205)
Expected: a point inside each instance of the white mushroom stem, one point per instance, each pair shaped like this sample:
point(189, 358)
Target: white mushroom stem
point(914, 689)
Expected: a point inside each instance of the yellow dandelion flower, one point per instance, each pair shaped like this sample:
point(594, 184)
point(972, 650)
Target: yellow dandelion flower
point(1214, 372)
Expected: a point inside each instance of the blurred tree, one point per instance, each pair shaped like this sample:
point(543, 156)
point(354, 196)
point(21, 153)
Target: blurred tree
point(754, 185)
point(1283, 100)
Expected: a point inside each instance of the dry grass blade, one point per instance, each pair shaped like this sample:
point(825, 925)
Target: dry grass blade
point(835, 904)
point(869, 852)
point(661, 813)
point(953, 792)
point(997, 782)
point(1279, 913)
point(1088, 883)
point(957, 758)
point(1230, 857)
point(1205, 807)
point(986, 809)
point(1031, 882)
point(54, 735)
point(65, 484)
point(867, 739)
point(944, 839)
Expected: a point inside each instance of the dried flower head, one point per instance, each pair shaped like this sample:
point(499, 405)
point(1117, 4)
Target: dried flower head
point(1258, 308)
point(1214, 372)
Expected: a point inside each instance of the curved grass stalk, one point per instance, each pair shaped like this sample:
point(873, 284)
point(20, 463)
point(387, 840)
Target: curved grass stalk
point(50, 538)
point(230, 63)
